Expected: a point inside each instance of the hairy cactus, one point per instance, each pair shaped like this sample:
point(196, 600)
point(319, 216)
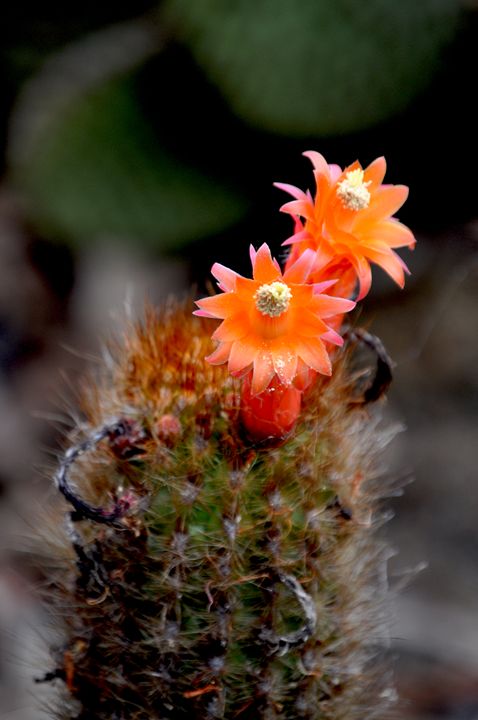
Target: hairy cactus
point(208, 569)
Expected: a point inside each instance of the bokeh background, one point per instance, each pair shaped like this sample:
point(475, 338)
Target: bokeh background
point(139, 142)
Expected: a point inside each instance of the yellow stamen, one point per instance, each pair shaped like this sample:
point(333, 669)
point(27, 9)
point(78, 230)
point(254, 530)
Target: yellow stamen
point(273, 299)
point(353, 190)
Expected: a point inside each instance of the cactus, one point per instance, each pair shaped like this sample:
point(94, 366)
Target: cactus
point(209, 570)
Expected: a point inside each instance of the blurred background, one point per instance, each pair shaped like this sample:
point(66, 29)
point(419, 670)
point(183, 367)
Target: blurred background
point(139, 143)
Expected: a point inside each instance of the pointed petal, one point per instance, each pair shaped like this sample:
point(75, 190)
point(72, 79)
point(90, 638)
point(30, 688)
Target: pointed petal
point(402, 263)
point(299, 207)
point(220, 306)
point(297, 237)
point(265, 271)
point(333, 337)
point(300, 270)
point(308, 324)
point(354, 166)
point(325, 184)
point(327, 306)
point(335, 172)
point(233, 328)
point(386, 200)
point(391, 263)
point(296, 192)
point(375, 172)
point(203, 313)
point(245, 289)
point(252, 254)
point(301, 297)
point(243, 353)
point(225, 276)
point(324, 255)
point(392, 233)
point(314, 354)
point(364, 274)
point(263, 372)
point(220, 354)
point(284, 360)
point(318, 161)
point(304, 376)
point(323, 286)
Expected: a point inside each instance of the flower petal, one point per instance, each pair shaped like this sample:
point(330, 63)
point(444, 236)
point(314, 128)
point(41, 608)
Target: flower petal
point(386, 200)
point(335, 172)
point(220, 354)
point(296, 192)
point(233, 328)
point(265, 270)
point(252, 254)
point(350, 168)
point(304, 208)
point(324, 255)
point(308, 323)
point(314, 354)
point(304, 376)
point(364, 274)
point(243, 353)
point(225, 276)
point(203, 313)
point(375, 172)
point(263, 372)
point(220, 306)
point(391, 263)
point(333, 337)
point(300, 270)
point(284, 360)
point(318, 161)
point(392, 233)
point(327, 306)
point(297, 237)
point(323, 286)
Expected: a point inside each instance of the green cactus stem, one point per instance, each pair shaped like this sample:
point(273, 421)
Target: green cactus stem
point(202, 576)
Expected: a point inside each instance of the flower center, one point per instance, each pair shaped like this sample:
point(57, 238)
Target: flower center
point(353, 190)
point(273, 299)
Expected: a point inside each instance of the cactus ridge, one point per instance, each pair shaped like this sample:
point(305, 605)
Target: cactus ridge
point(202, 576)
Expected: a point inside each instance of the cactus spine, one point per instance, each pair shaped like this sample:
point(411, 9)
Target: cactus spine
point(205, 577)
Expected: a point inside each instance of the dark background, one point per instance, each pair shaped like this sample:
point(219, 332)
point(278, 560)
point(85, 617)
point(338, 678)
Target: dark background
point(133, 157)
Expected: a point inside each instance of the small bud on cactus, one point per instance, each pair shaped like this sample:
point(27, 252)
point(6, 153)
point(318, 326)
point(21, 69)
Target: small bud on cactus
point(271, 413)
point(219, 558)
point(168, 430)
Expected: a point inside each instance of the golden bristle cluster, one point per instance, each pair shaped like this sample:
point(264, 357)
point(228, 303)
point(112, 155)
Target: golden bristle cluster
point(159, 366)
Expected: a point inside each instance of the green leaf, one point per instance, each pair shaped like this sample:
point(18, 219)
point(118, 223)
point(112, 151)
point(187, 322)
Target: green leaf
point(316, 66)
point(95, 168)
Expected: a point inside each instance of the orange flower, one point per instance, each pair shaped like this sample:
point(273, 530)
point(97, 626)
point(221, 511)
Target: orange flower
point(273, 323)
point(349, 222)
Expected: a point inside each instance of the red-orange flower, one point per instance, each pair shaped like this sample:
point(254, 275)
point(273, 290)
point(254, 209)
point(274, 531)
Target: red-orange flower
point(273, 324)
point(349, 222)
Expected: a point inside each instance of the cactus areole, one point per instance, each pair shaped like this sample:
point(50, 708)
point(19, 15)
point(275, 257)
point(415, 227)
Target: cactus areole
point(218, 557)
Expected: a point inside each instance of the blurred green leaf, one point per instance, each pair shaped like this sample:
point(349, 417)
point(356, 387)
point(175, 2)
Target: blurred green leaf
point(316, 66)
point(95, 168)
